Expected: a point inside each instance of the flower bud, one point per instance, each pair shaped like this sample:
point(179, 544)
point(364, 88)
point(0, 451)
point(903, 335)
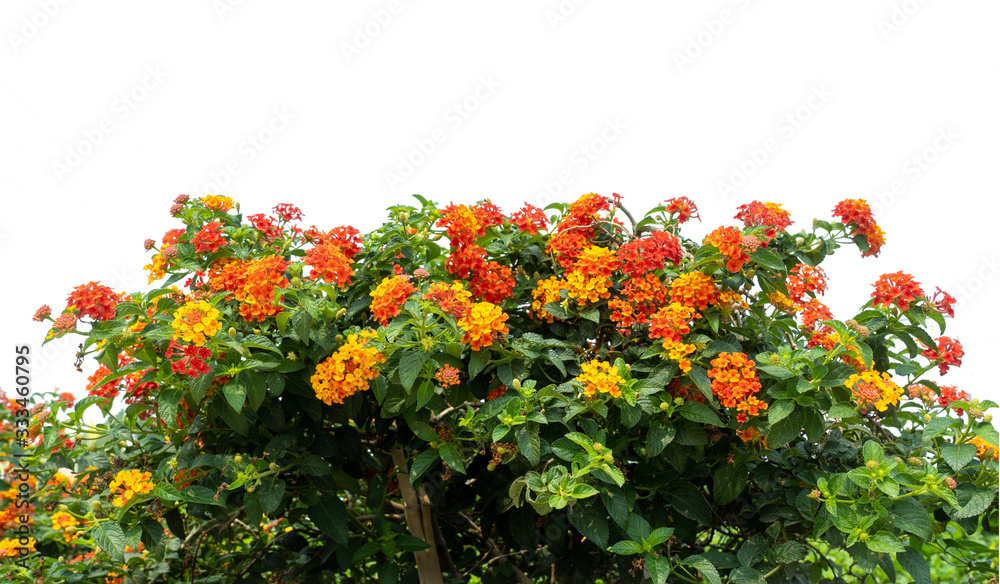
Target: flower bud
point(928, 417)
point(296, 281)
point(250, 489)
point(664, 406)
point(678, 401)
point(292, 356)
point(272, 466)
point(339, 338)
point(815, 494)
point(63, 508)
point(96, 505)
point(516, 384)
point(122, 443)
point(173, 463)
point(599, 447)
point(988, 418)
point(232, 331)
point(341, 312)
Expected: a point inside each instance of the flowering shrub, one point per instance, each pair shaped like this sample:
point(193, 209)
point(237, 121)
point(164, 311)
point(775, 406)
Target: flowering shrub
point(465, 394)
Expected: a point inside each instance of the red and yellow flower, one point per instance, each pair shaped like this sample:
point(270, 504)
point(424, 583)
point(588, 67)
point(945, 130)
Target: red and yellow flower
point(874, 389)
point(735, 384)
point(389, 297)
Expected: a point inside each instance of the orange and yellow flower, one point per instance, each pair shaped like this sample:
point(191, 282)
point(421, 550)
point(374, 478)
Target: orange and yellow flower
point(447, 376)
point(389, 296)
point(217, 203)
point(856, 214)
point(349, 370)
point(129, 483)
point(729, 241)
point(734, 382)
point(897, 288)
point(871, 388)
point(60, 521)
point(195, 321)
point(600, 376)
point(694, 289)
point(984, 450)
point(481, 323)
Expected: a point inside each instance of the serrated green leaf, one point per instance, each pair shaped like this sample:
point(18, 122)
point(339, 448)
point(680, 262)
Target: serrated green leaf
point(330, 516)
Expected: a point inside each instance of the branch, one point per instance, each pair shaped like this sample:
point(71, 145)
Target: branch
point(494, 549)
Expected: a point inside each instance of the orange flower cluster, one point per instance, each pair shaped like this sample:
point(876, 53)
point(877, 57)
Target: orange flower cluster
point(62, 520)
point(590, 278)
point(347, 371)
point(729, 241)
point(772, 215)
point(814, 311)
point(898, 288)
point(858, 215)
point(640, 297)
point(253, 284)
point(389, 296)
point(453, 299)
point(530, 219)
point(949, 352)
point(94, 300)
point(490, 280)
point(985, 450)
point(949, 395)
point(194, 321)
point(734, 382)
point(9, 547)
point(447, 376)
point(600, 376)
point(671, 322)
point(871, 388)
point(209, 239)
point(805, 280)
point(345, 237)
point(217, 203)
point(482, 321)
point(329, 263)
point(683, 208)
point(128, 483)
point(575, 230)
point(943, 305)
point(639, 256)
point(694, 289)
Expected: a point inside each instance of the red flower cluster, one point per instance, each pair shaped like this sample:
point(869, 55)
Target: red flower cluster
point(94, 300)
point(490, 280)
point(683, 207)
point(734, 382)
point(858, 215)
point(898, 288)
point(329, 263)
point(209, 239)
point(492, 283)
point(949, 352)
point(804, 280)
point(453, 299)
point(640, 297)
point(193, 362)
point(646, 254)
point(728, 240)
point(814, 311)
point(576, 229)
point(288, 212)
point(944, 305)
point(530, 219)
point(266, 225)
point(770, 214)
point(347, 238)
point(950, 394)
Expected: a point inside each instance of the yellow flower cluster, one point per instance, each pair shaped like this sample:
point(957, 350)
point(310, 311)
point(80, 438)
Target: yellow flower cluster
point(129, 483)
point(678, 351)
point(61, 520)
point(196, 320)
point(984, 449)
point(8, 547)
point(217, 203)
point(348, 370)
point(875, 389)
point(546, 291)
point(600, 376)
point(481, 323)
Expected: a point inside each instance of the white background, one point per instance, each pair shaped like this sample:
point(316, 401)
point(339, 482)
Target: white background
point(315, 104)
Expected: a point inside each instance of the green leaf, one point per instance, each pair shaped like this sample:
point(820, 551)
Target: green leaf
point(659, 436)
point(423, 462)
point(785, 430)
point(409, 543)
point(753, 550)
point(873, 451)
point(410, 365)
point(251, 503)
point(330, 515)
point(779, 410)
point(911, 516)
point(729, 481)
point(626, 547)
point(745, 575)
point(478, 361)
point(110, 537)
point(236, 394)
point(699, 412)
point(915, 565)
point(425, 393)
point(499, 432)
point(659, 536)
point(590, 520)
point(302, 325)
point(451, 456)
point(840, 411)
point(528, 442)
point(884, 542)
point(700, 378)
point(704, 567)
point(768, 259)
point(936, 427)
point(958, 455)
point(271, 491)
point(388, 573)
point(986, 432)
point(790, 552)
point(167, 403)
